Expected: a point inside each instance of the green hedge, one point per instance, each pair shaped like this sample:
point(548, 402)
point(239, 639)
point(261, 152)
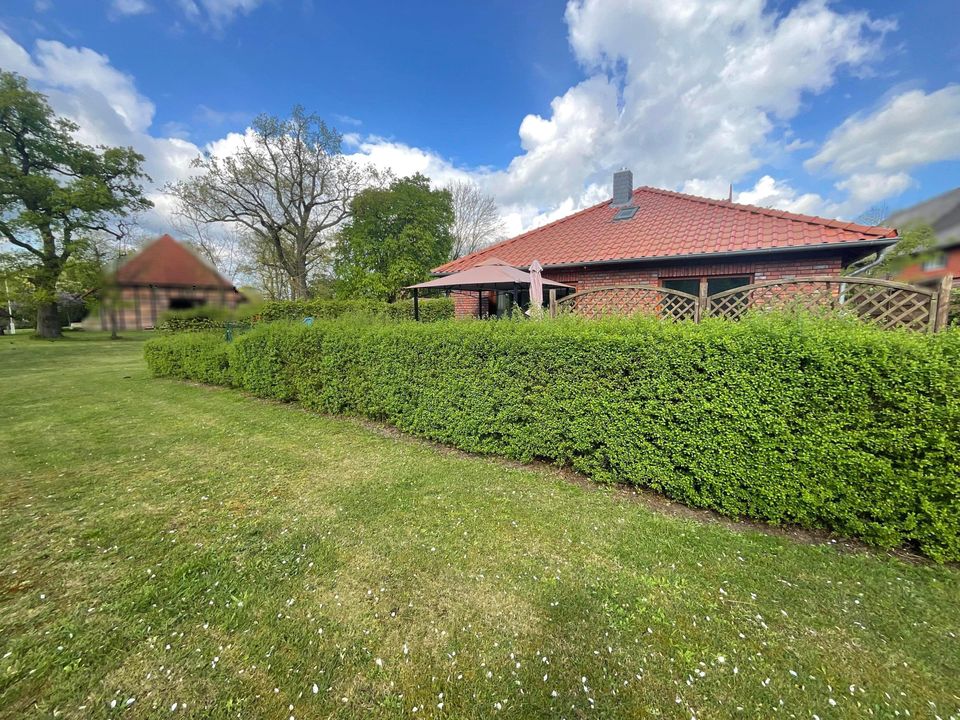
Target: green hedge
point(430, 310)
point(205, 318)
point(204, 357)
point(816, 422)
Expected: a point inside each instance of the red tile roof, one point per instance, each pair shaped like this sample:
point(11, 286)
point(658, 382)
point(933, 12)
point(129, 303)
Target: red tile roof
point(668, 225)
point(165, 262)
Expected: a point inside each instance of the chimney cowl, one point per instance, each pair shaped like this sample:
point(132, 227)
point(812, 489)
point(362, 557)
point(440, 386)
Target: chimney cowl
point(622, 188)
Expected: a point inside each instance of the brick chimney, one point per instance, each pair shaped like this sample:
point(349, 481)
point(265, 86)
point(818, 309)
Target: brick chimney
point(622, 188)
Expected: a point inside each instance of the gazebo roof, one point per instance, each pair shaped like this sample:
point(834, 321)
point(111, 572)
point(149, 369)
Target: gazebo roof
point(491, 274)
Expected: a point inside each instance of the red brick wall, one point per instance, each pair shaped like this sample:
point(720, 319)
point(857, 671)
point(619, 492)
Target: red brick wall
point(585, 278)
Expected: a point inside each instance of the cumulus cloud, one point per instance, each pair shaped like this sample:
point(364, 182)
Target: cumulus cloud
point(82, 85)
point(692, 94)
point(878, 150)
point(682, 91)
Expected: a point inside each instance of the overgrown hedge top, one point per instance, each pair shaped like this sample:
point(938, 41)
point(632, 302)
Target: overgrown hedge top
point(822, 423)
point(430, 310)
point(214, 318)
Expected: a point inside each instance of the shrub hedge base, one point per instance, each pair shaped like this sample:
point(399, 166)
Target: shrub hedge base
point(816, 422)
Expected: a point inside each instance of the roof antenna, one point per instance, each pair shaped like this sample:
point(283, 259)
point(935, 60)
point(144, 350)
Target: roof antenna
point(730, 196)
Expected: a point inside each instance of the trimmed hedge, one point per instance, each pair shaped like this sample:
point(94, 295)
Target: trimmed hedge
point(817, 422)
point(200, 356)
point(204, 318)
point(431, 310)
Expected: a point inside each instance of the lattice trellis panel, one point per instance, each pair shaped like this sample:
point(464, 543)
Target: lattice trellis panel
point(631, 300)
point(885, 303)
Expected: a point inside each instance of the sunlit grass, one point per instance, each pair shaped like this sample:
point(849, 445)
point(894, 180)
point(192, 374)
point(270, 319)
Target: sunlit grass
point(169, 550)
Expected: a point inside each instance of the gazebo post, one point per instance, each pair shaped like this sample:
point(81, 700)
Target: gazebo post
point(480, 304)
point(416, 304)
point(516, 297)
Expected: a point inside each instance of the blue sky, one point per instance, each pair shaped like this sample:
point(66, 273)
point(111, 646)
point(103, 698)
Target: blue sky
point(809, 106)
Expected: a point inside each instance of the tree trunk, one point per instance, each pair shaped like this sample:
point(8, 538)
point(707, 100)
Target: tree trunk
point(298, 281)
point(48, 320)
point(113, 322)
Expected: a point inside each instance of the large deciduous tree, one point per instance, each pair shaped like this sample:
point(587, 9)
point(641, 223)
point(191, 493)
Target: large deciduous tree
point(396, 236)
point(55, 191)
point(288, 184)
point(477, 221)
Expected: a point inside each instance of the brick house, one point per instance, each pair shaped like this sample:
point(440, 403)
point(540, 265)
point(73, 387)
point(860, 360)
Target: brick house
point(942, 213)
point(164, 275)
point(683, 242)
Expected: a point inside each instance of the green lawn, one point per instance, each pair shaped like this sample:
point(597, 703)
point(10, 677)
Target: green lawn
point(169, 550)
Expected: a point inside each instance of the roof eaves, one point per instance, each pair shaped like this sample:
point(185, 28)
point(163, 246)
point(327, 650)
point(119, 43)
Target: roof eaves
point(865, 243)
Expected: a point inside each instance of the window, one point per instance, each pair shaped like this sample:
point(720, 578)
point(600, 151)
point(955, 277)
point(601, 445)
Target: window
point(185, 303)
point(719, 284)
point(938, 262)
point(691, 286)
point(715, 285)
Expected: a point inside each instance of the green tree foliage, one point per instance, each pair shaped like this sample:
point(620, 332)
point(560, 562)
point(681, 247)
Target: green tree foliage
point(916, 245)
point(397, 235)
point(55, 191)
point(823, 423)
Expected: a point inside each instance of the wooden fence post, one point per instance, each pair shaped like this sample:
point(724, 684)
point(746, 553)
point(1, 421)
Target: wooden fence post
point(943, 303)
point(700, 311)
point(553, 302)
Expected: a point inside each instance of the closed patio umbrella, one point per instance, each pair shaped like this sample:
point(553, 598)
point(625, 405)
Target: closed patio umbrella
point(536, 289)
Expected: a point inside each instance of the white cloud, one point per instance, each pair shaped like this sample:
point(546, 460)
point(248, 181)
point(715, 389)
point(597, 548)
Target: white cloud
point(878, 150)
point(913, 128)
point(130, 7)
point(768, 192)
point(687, 94)
point(82, 84)
point(866, 189)
point(693, 94)
point(401, 159)
point(217, 13)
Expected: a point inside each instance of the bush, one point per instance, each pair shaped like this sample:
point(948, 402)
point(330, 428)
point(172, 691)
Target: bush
point(818, 422)
point(204, 357)
point(430, 310)
point(204, 318)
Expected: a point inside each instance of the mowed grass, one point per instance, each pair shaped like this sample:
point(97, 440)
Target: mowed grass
point(168, 550)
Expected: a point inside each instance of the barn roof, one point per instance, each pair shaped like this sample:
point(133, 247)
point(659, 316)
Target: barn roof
point(165, 262)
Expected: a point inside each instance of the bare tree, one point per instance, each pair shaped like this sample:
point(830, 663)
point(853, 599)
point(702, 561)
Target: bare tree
point(873, 215)
point(477, 221)
point(221, 245)
point(262, 269)
point(288, 185)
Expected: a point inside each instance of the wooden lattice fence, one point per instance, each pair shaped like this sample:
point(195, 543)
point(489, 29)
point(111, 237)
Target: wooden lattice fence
point(630, 300)
point(884, 302)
